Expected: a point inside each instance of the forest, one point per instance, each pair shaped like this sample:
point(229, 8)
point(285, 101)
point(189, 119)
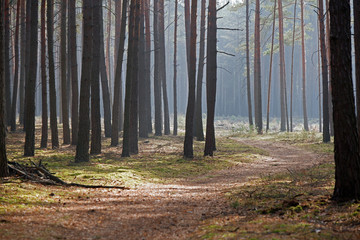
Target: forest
point(179, 119)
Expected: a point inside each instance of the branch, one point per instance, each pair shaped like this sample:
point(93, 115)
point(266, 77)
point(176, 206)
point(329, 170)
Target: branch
point(229, 54)
point(223, 6)
point(231, 29)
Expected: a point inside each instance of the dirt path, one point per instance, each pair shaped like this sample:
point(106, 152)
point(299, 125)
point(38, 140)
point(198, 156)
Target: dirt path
point(155, 211)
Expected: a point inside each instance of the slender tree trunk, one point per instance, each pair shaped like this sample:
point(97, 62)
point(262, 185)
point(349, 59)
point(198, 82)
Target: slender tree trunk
point(143, 124)
point(211, 72)
point(257, 71)
point(74, 72)
point(306, 125)
point(162, 63)
point(52, 88)
point(117, 106)
point(282, 67)
point(248, 85)
point(187, 30)
point(107, 52)
point(292, 68)
point(63, 58)
point(130, 113)
point(270, 71)
point(104, 83)
point(324, 63)
point(328, 54)
point(29, 148)
point(95, 81)
point(190, 111)
point(7, 62)
point(347, 160)
point(175, 130)
point(198, 111)
point(16, 74)
point(44, 116)
point(157, 73)
point(319, 81)
point(147, 63)
point(82, 147)
point(22, 62)
point(356, 9)
point(4, 170)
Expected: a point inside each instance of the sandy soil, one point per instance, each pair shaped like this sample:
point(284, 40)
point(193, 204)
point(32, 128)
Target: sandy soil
point(155, 211)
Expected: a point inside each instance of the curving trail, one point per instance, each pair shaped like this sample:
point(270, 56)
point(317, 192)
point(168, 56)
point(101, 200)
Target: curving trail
point(155, 211)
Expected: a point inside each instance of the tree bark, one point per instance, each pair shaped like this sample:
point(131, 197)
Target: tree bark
point(29, 147)
point(105, 83)
point(306, 124)
point(95, 81)
point(147, 63)
point(117, 118)
point(7, 61)
point(74, 72)
point(22, 63)
point(175, 130)
point(199, 131)
point(63, 58)
point(356, 9)
point(257, 71)
point(4, 170)
point(248, 85)
point(347, 160)
point(324, 64)
point(52, 90)
point(292, 67)
point(16, 74)
point(44, 104)
point(82, 147)
point(282, 68)
point(211, 72)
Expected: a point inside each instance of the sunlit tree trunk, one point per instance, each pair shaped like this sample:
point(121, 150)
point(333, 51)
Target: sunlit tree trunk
point(44, 105)
point(306, 125)
point(324, 64)
point(211, 72)
point(282, 67)
point(347, 160)
point(257, 71)
point(82, 147)
point(16, 74)
point(29, 148)
point(4, 170)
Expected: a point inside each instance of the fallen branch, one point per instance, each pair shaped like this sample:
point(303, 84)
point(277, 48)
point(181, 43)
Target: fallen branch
point(39, 174)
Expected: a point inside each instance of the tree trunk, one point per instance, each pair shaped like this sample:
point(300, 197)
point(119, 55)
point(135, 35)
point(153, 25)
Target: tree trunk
point(95, 81)
point(199, 131)
point(4, 170)
point(328, 54)
point(44, 105)
point(306, 125)
point(117, 105)
point(248, 85)
point(63, 57)
point(16, 74)
point(82, 147)
point(211, 72)
point(147, 63)
point(282, 67)
point(270, 71)
point(162, 62)
point(108, 54)
point(130, 112)
point(22, 63)
point(52, 88)
point(347, 162)
point(29, 148)
point(104, 83)
point(175, 130)
point(157, 74)
point(7, 62)
point(356, 9)
point(292, 67)
point(324, 63)
point(257, 71)
point(74, 72)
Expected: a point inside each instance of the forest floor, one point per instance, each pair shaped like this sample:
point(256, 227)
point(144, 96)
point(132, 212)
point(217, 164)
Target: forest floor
point(274, 186)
